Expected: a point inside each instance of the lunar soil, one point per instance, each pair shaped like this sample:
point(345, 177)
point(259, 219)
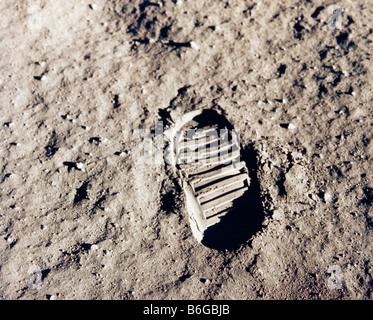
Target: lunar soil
point(84, 216)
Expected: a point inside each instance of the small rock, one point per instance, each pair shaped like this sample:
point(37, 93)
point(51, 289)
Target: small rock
point(328, 196)
point(194, 45)
point(278, 215)
point(80, 166)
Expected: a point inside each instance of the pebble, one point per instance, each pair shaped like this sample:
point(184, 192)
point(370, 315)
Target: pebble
point(328, 196)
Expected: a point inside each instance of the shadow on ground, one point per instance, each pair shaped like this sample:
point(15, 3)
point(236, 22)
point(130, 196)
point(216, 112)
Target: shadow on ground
point(245, 219)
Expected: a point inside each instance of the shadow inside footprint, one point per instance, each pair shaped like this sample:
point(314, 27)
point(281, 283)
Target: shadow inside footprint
point(246, 217)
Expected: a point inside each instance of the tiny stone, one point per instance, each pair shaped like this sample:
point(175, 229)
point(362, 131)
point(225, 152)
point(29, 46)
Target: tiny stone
point(327, 196)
